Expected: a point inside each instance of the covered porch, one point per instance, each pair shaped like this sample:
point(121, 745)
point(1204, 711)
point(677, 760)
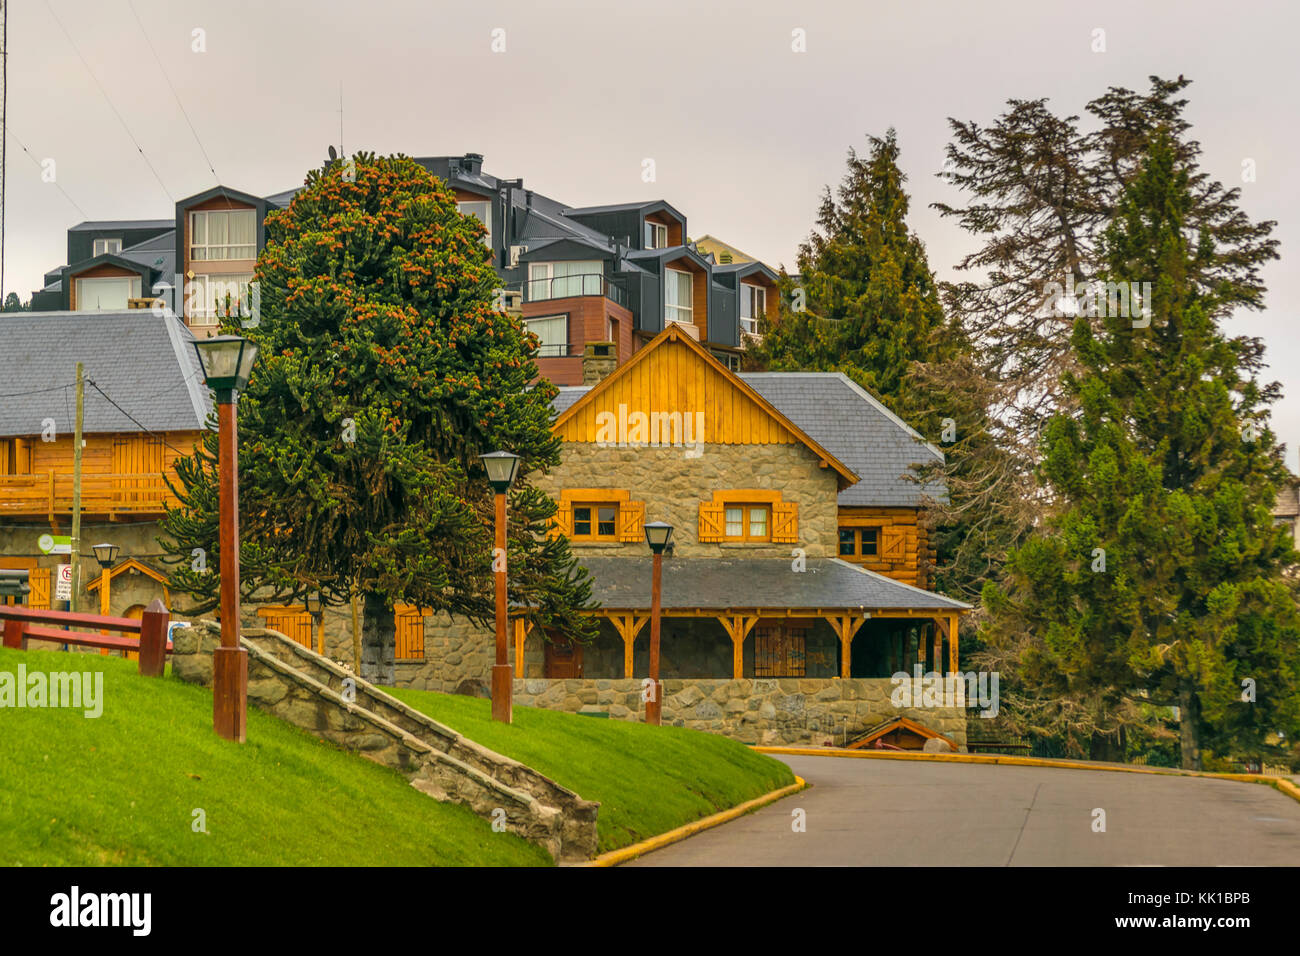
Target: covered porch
point(751, 618)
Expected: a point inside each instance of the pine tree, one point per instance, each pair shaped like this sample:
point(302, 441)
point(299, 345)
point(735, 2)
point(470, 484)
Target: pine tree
point(385, 369)
point(1157, 579)
point(868, 303)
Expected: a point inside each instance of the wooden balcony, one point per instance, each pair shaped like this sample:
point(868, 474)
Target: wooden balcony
point(50, 495)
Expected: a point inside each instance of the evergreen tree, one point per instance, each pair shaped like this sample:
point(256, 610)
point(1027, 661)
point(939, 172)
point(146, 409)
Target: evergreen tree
point(867, 303)
point(384, 370)
point(1157, 579)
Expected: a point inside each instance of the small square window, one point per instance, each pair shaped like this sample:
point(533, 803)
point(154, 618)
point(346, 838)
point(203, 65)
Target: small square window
point(869, 536)
point(748, 523)
point(595, 522)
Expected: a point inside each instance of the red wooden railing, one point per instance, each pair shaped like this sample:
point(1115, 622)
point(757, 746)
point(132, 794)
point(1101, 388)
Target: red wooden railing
point(22, 623)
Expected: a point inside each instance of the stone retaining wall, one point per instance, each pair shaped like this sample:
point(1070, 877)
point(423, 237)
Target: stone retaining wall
point(294, 684)
point(782, 711)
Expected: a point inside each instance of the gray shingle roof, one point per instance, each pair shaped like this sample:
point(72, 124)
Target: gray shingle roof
point(852, 424)
point(144, 362)
point(708, 583)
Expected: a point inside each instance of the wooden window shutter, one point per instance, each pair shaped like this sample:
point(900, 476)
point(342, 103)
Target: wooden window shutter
point(562, 523)
point(631, 520)
point(38, 580)
point(712, 525)
point(892, 541)
point(785, 522)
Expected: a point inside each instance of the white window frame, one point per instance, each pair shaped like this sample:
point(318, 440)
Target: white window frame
point(106, 247)
point(541, 280)
point(220, 252)
point(689, 310)
point(749, 323)
point(562, 317)
point(656, 229)
point(486, 218)
point(198, 289)
point(133, 291)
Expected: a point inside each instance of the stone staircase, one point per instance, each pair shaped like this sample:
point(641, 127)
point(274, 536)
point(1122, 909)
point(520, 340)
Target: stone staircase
point(309, 691)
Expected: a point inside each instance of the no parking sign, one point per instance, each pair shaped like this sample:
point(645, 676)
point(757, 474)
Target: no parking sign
point(63, 586)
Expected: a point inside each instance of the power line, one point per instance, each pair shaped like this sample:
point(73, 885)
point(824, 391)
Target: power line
point(175, 95)
point(40, 167)
point(35, 391)
point(136, 421)
point(109, 101)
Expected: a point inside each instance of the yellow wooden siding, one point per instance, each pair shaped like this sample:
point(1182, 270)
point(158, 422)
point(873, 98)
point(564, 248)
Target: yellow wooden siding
point(409, 624)
point(38, 580)
point(293, 622)
point(899, 542)
point(670, 379)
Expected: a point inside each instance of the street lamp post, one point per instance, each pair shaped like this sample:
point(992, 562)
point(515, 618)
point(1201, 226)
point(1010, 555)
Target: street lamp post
point(659, 536)
point(501, 467)
point(316, 610)
point(106, 555)
point(226, 361)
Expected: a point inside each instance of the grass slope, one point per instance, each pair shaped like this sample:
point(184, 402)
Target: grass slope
point(122, 788)
point(648, 779)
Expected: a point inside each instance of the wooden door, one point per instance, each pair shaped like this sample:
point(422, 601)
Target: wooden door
point(563, 660)
point(135, 612)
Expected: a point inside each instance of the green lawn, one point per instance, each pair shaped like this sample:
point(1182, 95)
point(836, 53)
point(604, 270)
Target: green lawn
point(122, 788)
point(648, 779)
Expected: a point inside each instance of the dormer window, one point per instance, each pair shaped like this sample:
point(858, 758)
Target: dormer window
point(753, 304)
point(104, 247)
point(223, 234)
point(482, 211)
point(679, 297)
point(656, 235)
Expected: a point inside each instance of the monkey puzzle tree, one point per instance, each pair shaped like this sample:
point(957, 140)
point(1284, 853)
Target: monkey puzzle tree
point(384, 370)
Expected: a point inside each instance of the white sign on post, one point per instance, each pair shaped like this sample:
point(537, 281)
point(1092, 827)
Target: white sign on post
point(63, 587)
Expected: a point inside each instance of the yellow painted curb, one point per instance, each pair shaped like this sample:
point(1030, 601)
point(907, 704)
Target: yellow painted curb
point(615, 857)
point(1281, 784)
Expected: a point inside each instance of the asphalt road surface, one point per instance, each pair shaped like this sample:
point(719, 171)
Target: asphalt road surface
point(868, 812)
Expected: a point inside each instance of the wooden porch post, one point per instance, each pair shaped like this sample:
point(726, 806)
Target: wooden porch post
point(952, 642)
point(845, 626)
point(628, 626)
point(737, 627)
point(522, 628)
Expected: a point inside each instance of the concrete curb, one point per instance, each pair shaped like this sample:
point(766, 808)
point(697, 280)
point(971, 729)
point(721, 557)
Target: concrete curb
point(1280, 784)
point(615, 857)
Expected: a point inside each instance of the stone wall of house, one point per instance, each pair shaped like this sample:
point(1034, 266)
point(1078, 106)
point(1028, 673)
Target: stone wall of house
point(672, 487)
point(784, 711)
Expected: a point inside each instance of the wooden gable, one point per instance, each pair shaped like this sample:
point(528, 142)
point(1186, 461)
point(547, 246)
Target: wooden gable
point(901, 733)
point(675, 376)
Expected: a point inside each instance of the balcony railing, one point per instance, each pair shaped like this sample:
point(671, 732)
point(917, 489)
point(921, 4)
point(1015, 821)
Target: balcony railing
point(563, 287)
point(51, 494)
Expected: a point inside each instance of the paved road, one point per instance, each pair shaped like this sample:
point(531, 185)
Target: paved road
point(902, 813)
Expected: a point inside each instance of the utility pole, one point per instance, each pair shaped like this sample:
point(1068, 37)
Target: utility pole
point(76, 490)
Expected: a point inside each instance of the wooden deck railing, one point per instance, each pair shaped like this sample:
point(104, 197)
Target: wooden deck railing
point(23, 623)
point(51, 494)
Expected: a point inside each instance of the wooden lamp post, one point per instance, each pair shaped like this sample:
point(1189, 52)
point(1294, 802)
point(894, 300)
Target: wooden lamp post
point(659, 536)
point(227, 361)
point(501, 467)
point(106, 555)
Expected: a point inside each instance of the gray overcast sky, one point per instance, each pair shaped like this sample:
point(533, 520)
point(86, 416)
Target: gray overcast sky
point(744, 132)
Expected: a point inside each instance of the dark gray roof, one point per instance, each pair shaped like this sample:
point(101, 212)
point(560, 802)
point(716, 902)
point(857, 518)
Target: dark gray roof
point(122, 224)
point(708, 583)
point(144, 362)
point(852, 424)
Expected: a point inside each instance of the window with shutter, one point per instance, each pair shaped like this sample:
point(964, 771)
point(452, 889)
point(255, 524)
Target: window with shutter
point(712, 521)
point(892, 544)
point(631, 517)
point(785, 522)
